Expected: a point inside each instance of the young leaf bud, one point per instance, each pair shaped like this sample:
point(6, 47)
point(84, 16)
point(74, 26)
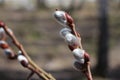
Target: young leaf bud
point(71, 39)
point(23, 60)
point(64, 31)
point(79, 54)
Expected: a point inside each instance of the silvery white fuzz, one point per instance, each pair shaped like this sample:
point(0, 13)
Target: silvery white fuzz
point(71, 39)
point(60, 17)
point(22, 58)
point(7, 51)
point(79, 54)
point(64, 31)
point(3, 34)
point(2, 42)
point(1, 30)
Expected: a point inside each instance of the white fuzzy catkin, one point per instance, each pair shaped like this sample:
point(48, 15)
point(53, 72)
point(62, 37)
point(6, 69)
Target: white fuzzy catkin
point(77, 65)
point(2, 42)
point(81, 61)
point(2, 33)
point(19, 52)
point(64, 31)
point(79, 54)
point(60, 17)
point(7, 51)
point(2, 30)
point(22, 58)
point(71, 39)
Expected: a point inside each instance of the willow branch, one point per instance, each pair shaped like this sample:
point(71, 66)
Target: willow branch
point(72, 26)
point(39, 71)
point(88, 74)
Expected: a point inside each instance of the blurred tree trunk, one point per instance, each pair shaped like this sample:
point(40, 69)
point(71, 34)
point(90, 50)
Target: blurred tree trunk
point(102, 56)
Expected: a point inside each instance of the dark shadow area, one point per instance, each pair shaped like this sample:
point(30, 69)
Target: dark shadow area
point(12, 75)
point(67, 74)
point(114, 74)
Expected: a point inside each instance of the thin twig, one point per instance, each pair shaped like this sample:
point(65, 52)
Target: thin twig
point(88, 72)
point(72, 26)
point(39, 71)
point(31, 74)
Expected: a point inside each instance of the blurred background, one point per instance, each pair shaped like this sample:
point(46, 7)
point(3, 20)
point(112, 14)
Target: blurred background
point(32, 21)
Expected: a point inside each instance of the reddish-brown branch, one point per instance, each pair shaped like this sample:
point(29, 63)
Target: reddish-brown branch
point(40, 72)
point(72, 27)
point(88, 72)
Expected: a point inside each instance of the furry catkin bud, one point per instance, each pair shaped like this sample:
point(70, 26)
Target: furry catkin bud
point(71, 39)
point(60, 17)
point(63, 18)
point(64, 31)
point(2, 30)
point(78, 66)
point(2, 34)
point(10, 54)
point(79, 55)
point(23, 60)
point(3, 45)
point(19, 52)
point(7, 51)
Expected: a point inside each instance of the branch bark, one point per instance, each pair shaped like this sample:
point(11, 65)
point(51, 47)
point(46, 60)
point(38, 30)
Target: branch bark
point(39, 71)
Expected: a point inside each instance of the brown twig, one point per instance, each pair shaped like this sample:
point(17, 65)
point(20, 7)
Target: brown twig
point(39, 71)
point(88, 74)
point(32, 72)
point(72, 27)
